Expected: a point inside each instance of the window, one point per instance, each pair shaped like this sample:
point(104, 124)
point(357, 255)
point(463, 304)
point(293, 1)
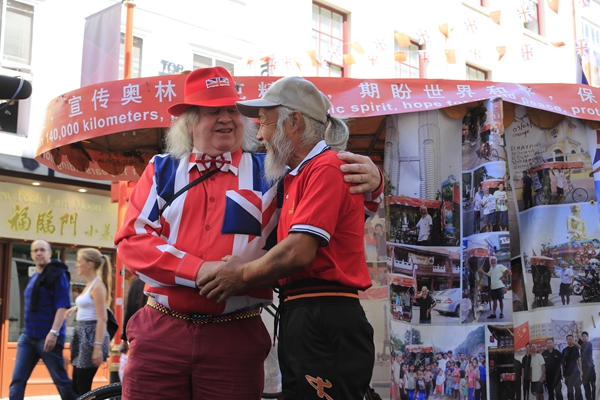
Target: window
point(203, 61)
point(16, 27)
point(328, 36)
point(136, 58)
point(535, 25)
point(412, 67)
point(476, 74)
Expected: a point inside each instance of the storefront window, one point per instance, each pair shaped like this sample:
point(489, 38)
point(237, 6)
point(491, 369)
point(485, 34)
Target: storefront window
point(22, 268)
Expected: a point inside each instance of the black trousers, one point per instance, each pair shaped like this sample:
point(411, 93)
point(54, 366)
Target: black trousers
point(554, 388)
point(526, 385)
point(82, 379)
point(589, 383)
point(325, 348)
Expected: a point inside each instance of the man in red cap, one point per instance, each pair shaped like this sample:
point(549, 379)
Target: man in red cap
point(326, 345)
point(206, 198)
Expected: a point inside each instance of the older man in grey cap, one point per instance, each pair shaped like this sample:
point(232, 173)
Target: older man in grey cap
point(325, 341)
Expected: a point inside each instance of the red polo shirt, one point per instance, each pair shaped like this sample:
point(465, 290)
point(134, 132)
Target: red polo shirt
point(317, 201)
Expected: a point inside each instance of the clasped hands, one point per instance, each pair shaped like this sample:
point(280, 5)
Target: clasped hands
point(221, 279)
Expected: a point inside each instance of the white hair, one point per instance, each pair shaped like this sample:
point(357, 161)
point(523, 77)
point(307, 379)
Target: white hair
point(179, 141)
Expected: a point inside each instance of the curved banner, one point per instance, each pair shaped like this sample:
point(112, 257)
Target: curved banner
point(134, 108)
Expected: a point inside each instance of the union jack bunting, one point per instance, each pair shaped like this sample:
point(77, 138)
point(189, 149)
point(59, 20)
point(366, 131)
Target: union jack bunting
point(287, 62)
point(476, 53)
point(422, 36)
point(334, 55)
point(582, 49)
point(471, 25)
point(525, 13)
point(373, 59)
point(424, 56)
point(272, 64)
point(527, 52)
point(585, 3)
point(379, 44)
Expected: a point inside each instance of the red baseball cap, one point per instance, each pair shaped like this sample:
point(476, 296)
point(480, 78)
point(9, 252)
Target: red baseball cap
point(207, 87)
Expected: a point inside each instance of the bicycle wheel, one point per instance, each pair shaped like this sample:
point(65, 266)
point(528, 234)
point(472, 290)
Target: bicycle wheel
point(579, 195)
point(495, 155)
point(542, 198)
point(108, 392)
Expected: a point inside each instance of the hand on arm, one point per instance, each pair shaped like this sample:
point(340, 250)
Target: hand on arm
point(362, 171)
point(287, 257)
point(70, 311)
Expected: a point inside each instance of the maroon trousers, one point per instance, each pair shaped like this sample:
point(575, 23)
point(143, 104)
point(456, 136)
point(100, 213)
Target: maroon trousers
point(174, 358)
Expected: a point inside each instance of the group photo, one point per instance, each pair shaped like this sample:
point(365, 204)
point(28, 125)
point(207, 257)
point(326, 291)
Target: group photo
point(421, 370)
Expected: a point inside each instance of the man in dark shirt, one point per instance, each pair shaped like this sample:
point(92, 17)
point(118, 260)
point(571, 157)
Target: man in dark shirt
point(46, 303)
point(518, 379)
point(526, 371)
point(426, 304)
point(587, 364)
point(552, 357)
point(527, 182)
point(572, 371)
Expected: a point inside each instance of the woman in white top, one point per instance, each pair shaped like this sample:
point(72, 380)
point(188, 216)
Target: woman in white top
point(90, 343)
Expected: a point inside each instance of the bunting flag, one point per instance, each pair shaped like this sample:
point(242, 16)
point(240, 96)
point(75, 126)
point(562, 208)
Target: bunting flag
point(585, 3)
point(334, 55)
point(373, 59)
point(476, 53)
point(424, 56)
point(349, 59)
point(249, 62)
point(525, 14)
point(443, 30)
point(495, 16)
point(287, 62)
point(558, 44)
point(422, 36)
point(527, 52)
point(580, 72)
point(101, 46)
point(402, 39)
point(298, 61)
point(400, 56)
point(581, 48)
point(553, 5)
point(272, 64)
point(521, 336)
point(312, 54)
point(501, 52)
point(471, 25)
point(357, 47)
point(450, 56)
point(379, 44)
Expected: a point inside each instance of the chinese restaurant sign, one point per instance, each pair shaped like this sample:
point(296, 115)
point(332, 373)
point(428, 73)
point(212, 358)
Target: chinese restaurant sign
point(58, 216)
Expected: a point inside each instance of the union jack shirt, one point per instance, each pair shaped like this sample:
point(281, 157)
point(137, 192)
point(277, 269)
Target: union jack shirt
point(232, 212)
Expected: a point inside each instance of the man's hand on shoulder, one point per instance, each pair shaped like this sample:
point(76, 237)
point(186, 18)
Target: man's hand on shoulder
point(361, 171)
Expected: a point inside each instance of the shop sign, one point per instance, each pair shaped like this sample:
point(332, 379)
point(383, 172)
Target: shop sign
point(58, 216)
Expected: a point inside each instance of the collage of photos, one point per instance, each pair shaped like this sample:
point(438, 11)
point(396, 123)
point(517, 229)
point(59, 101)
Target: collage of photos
point(488, 256)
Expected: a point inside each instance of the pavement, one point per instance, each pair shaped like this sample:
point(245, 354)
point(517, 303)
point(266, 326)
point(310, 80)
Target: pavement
point(554, 298)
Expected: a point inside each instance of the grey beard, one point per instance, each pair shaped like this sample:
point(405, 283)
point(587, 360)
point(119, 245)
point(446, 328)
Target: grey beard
point(278, 154)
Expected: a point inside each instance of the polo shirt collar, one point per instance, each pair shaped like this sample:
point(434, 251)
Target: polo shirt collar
point(236, 157)
point(318, 149)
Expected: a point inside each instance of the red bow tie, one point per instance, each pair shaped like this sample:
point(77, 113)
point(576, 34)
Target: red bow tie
point(204, 161)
